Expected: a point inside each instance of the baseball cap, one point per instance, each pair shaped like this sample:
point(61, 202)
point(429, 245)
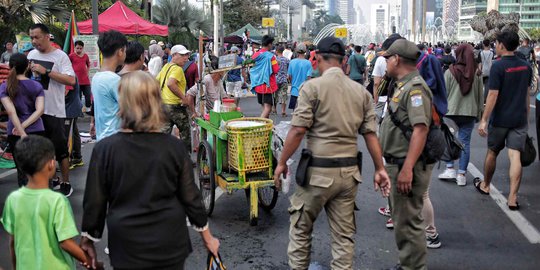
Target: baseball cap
point(301, 48)
point(179, 49)
point(153, 41)
point(234, 49)
point(331, 45)
point(161, 43)
point(403, 48)
point(389, 41)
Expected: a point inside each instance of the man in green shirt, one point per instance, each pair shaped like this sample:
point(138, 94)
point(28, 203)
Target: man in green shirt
point(40, 221)
point(356, 66)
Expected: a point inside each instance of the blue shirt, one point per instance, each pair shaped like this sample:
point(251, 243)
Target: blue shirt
point(235, 74)
point(105, 93)
point(299, 69)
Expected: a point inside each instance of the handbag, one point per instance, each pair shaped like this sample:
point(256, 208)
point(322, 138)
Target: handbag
point(528, 155)
point(453, 146)
point(214, 263)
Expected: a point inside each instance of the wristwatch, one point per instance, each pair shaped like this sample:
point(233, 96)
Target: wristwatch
point(47, 71)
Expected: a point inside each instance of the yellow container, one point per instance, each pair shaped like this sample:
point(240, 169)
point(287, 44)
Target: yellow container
point(249, 143)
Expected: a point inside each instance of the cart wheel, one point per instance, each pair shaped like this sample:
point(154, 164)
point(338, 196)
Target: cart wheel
point(268, 197)
point(207, 180)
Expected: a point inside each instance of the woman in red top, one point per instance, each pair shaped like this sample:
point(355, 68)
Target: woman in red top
point(81, 64)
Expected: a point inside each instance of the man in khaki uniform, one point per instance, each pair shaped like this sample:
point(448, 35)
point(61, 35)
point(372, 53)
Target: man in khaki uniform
point(332, 110)
point(410, 103)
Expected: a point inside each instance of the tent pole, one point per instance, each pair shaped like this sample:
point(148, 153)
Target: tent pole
point(95, 27)
point(216, 28)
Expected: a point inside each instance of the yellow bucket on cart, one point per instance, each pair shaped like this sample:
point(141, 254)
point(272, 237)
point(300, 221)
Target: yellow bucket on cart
point(249, 143)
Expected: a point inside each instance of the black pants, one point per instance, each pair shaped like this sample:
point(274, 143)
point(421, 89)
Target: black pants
point(85, 90)
point(485, 80)
point(22, 180)
point(75, 152)
point(177, 266)
point(538, 125)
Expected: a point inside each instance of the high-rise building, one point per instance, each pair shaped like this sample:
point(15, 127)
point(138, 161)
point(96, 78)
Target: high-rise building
point(345, 10)
point(439, 4)
point(468, 9)
point(450, 12)
point(380, 19)
point(529, 10)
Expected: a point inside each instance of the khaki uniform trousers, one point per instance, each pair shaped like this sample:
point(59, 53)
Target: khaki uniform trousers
point(334, 189)
point(406, 209)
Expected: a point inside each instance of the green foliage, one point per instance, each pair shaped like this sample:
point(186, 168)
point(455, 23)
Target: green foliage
point(237, 13)
point(322, 18)
point(184, 21)
point(534, 33)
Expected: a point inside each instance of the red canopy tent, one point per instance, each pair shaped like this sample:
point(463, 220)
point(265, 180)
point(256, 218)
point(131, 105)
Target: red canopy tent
point(122, 19)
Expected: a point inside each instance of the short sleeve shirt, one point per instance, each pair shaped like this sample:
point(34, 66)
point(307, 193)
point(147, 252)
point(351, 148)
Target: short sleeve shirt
point(25, 104)
point(214, 91)
point(176, 72)
point(105, 93)
point(39, 219)
point(235, 75)
point(57, 61)
point(380, 67)
point(511, 76)
point(283, 63)
point(411, 102)
point(80, 66)
point(357, 63)
point(300, 70)
point(322, 105)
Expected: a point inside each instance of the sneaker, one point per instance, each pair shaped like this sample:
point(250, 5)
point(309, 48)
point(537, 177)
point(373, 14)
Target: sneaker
point(76, 162)
point(389, 224)
point(433, 241)
point(385, 211)
point(66, 189)
point(461, 180)
point(55, 183)
point(448, 174)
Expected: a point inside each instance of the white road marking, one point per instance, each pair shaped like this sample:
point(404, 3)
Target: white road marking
point(219, 192)
point(8, 173)
point(526, 228)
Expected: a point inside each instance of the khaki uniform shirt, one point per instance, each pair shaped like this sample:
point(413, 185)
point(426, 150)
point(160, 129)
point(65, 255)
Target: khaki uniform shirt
point(411, 102)
point(335, 109)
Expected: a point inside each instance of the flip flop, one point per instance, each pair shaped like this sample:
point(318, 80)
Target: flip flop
point(477, 184)
point(513, 207)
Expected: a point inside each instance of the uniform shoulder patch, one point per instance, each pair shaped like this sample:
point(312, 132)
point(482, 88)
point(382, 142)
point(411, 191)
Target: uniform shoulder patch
point(416, 92)
point(416, 100)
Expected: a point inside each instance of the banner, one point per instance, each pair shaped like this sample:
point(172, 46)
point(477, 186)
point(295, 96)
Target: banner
point(92, 50)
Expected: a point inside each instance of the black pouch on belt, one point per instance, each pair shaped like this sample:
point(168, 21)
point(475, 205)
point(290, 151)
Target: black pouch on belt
point(303, 165)
point(359, 161)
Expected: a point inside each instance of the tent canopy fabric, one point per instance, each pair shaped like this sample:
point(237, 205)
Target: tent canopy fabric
point(122, 19)
point(253, 32)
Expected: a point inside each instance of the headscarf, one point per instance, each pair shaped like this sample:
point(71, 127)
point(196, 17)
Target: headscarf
point(155, 50)
point(464, 69)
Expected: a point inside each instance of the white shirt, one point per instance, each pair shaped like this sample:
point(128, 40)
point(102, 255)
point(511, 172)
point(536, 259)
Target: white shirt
point(378, 71)
point(287, 54)
point(55, 92)
point(154, 65)
point(214, 91)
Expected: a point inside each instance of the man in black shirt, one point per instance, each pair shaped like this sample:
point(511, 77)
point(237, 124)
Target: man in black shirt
point(508, 100)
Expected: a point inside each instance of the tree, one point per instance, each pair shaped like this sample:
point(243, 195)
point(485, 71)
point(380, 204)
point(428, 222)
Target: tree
point(237, 13)
point(534, 33)
point(322, 18)
point(184, 21)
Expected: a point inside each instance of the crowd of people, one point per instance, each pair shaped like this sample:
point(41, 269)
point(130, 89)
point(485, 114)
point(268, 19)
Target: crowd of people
point(392, 94)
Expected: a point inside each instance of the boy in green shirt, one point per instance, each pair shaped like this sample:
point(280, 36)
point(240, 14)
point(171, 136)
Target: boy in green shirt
point(40, 221)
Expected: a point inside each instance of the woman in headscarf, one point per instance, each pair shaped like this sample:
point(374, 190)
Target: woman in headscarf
point(155, 63)
point(465, 105)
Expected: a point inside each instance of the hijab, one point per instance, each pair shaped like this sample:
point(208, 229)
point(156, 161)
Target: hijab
point(464, 70)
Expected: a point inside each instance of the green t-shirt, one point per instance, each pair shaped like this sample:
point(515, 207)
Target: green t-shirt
point(39, 219)
point(358, 66)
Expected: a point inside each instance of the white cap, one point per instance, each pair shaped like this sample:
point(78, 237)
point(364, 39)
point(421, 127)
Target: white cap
point(179, 49)
point(153, 41)
point(161, 43)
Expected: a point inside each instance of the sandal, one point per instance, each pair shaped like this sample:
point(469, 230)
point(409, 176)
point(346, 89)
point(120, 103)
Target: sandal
point(513, 207)
point(284, 115)
point(477, 184)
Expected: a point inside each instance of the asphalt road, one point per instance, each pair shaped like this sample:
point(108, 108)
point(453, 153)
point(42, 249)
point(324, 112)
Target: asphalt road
point(476, 231)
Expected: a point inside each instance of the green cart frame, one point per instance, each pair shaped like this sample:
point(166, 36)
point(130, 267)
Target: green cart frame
point(213, 168)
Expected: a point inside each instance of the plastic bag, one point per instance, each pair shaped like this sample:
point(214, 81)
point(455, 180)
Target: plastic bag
point(213, 263)
point(278, 142)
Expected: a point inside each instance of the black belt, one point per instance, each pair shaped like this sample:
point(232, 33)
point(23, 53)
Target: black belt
point(394, 160)
point(333, 162)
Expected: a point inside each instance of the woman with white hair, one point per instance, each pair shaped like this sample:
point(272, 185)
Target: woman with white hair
point(155, 64)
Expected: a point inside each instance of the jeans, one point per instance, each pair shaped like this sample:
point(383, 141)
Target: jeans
point(466, 126)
